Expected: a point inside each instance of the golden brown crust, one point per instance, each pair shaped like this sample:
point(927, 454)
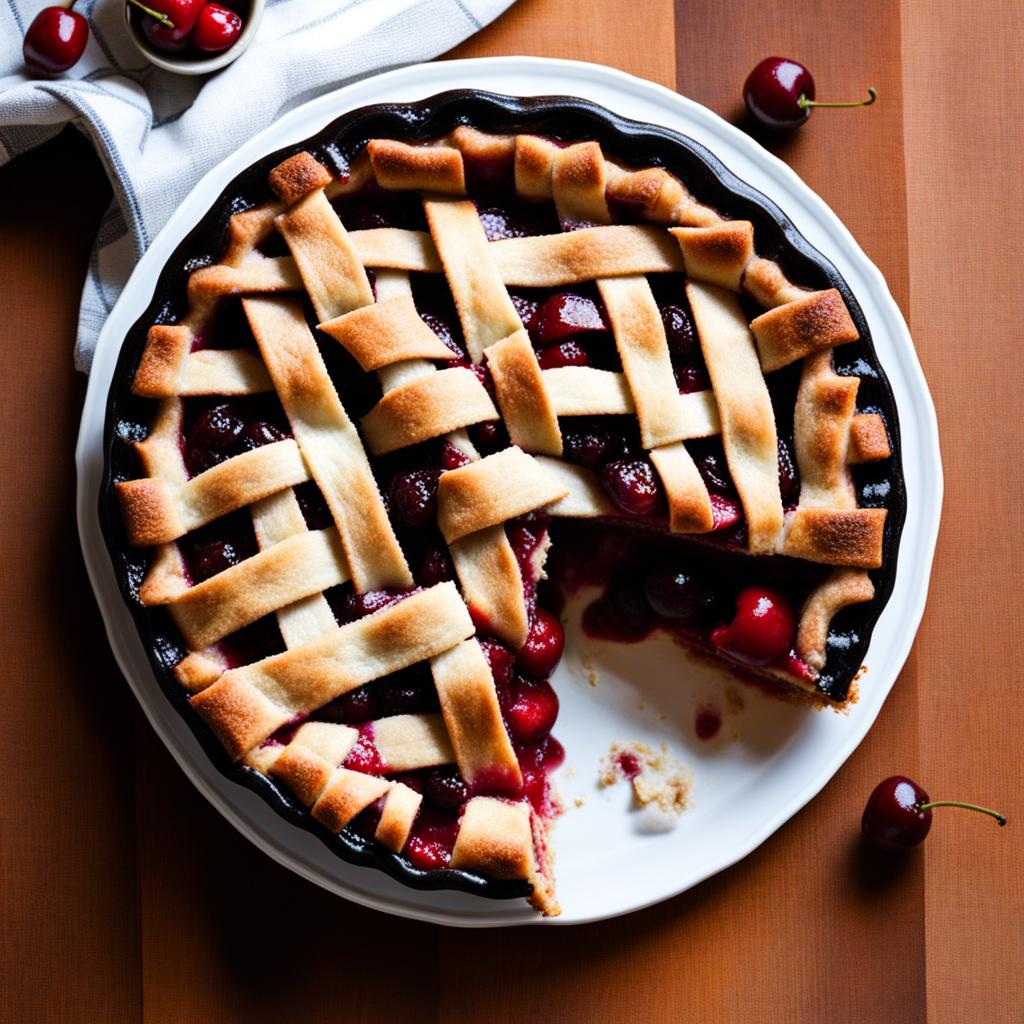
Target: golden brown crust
point(507, 484)
point(469, 703)
point(304, 564)
point(417, 168)
point(718, 254)
point(869, 440)
point(799, 328)
point(551, 261)
point(578, 185)
point(331, 271)
point(330, 444)
point(308, 762)
point(492, 584)
point(824, 411)
point(643, 348)
point(689, 504)
point(247, 704)
point(297, 176)
point(485, 309)
point(836, 536)
point(166, 349)
point(843, 588)
point(745, 408)
point(385, 333)
point(347, 794)
point(427, 407)
point(525, 406)
point(498, 838)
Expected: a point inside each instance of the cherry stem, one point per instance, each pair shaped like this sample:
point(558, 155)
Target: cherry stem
point(956, 803)
point(162, 18)
point(804, 103)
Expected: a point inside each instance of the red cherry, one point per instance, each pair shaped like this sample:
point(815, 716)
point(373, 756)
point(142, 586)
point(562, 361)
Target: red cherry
point(633, 486)
point(544, 645)
point(216, 29)
point(565, 314)
point(898, 813)
point(569, 353)
point(762, 629)
point(55, 40)
point(779, 94)
point(167, 24)
point(724, 512)
point(532, 714)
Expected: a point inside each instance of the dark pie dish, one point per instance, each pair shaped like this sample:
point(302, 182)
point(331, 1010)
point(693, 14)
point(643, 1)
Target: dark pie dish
point(559, 335)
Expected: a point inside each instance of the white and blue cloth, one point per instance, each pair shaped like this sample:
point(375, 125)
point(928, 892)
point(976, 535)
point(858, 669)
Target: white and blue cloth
point(157, 133)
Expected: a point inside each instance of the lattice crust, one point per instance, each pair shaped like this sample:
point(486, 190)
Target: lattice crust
point(379, 326)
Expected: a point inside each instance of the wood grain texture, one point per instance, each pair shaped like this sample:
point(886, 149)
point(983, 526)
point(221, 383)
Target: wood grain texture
point(964, 228)
point(148, 906)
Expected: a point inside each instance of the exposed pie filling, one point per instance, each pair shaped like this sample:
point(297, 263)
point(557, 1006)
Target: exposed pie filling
point(408, 734)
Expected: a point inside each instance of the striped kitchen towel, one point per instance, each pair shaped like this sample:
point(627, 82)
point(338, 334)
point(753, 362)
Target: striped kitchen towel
point(158, 133)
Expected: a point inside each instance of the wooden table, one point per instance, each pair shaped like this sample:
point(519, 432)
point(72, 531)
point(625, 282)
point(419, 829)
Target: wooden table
point(126, 897)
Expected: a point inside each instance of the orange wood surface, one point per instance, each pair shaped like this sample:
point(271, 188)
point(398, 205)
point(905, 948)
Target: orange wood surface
point(126, 898)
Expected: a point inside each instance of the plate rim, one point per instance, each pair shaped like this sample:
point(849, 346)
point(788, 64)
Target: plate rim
point(453, 75)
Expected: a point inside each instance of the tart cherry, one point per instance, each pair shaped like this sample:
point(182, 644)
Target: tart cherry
point(543, 648)
point(436, 566)
point(762, 629)
point(563, 315)
point(428, 854)
point(673, 593)
point(216, 29)
point(532, 713)
point(413, 497)
point(586, 447)
point(213, 557)
point(446, 788)
point(260, 433)
point(569, 353)
point(632, 485)
point(500, 659)
point(167, 24)
point(779, 94)
point(724, 512)
point(789, 485)
point(678, 331)
point(55, 40)
point(898, 814)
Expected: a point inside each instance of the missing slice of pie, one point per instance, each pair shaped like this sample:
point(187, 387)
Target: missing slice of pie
point(434, 378)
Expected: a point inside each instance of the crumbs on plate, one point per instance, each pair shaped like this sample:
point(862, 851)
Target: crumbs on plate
point(661, 784)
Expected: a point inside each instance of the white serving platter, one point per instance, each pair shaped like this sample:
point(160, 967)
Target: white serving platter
point(769, 760)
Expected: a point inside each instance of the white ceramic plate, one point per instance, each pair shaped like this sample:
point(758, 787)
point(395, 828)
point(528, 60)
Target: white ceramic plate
point(769, 760)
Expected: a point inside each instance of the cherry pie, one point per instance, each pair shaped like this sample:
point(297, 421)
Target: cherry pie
point(447, 338)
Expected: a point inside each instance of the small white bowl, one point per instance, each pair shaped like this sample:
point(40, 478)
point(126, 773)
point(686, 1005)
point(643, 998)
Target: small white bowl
point(188, 66)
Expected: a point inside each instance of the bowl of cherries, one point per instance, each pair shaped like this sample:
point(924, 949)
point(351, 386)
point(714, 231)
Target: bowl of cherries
point(192, 37)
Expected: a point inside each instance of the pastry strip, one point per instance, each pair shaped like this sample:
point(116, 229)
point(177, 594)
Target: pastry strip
point(525, 405)
point(485, 309)
point(329, 443)
point(643, 348)
point(427, 406)
point(469, 704)
point(745, 408)
point(247, 704)
point(331, 271)
point(492, 491)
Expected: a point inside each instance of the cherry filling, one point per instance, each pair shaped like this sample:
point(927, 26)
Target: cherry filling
point(697, 592)
point(699, 595)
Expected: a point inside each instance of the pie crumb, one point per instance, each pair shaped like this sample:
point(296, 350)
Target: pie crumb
point(590, 671)
point(661, 784)
point(579, 801)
